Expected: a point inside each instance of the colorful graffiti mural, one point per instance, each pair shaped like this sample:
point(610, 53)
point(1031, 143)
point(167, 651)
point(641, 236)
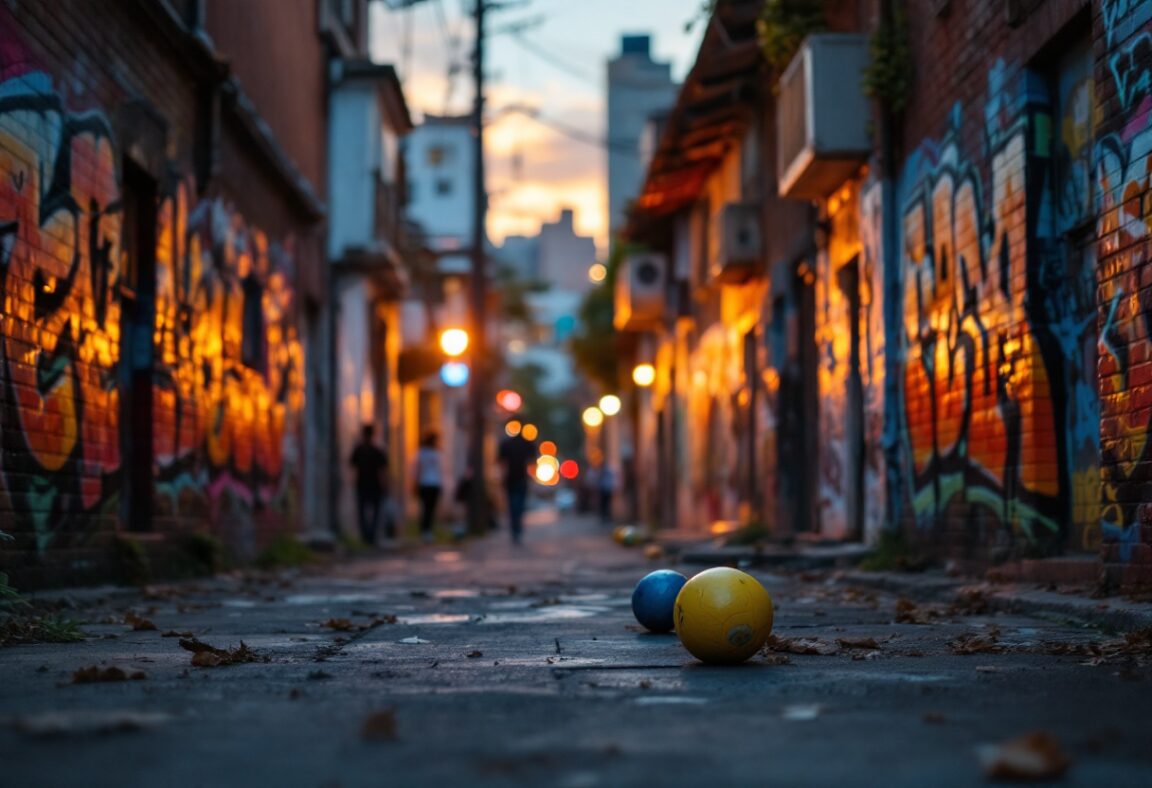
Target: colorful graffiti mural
point(999, 320)
point(1123, 179)
point(228, 375)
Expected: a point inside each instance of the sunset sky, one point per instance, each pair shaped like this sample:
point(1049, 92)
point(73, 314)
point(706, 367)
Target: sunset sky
point(556, 67)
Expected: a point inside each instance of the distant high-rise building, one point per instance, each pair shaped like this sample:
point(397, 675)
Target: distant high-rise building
point(638, 86)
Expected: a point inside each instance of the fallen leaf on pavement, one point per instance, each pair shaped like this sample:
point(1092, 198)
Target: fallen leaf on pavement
point(64, 723)
point(138, 623)
point(908, 612)
point(206, 656)
point(801, 646)
point(974, 643)
point(802, 712)
point(474, 654)
point(94, 674)
point(774, 658)
point(1033, 756)
point(858, 642)
point(970, 602)
point(379, 726)
point(341, 625)
point(172, 633)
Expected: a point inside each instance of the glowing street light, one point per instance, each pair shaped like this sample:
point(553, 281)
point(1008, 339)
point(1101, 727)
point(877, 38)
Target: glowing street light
point(643, 375)
point(569, 469)
point(529, 432)
point(454, 341)
point(593, 416)
point(509, 400)
point(597, 273)
point(610, 404)
point(512, 429)
point(548, 447)
point(454, 374)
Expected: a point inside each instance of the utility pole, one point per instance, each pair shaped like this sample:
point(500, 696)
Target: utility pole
point(478, 514)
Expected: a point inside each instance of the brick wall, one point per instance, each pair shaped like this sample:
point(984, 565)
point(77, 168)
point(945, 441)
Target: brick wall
point(216, 347)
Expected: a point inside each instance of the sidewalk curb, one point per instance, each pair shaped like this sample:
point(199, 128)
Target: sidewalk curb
point(1113, 613)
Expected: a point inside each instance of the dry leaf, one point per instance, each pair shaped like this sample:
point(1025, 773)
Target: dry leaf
point(379, 726)
point(341, 625)
point(773, 658)
point(207, 659)
point(474, 654)
point(973, 643)
point(207, 656)
point(1033, 756)
point(94, 674)
point(908, 612)
point(172, 633)
point(858, 643)
point(138, 623)
point(801, 646)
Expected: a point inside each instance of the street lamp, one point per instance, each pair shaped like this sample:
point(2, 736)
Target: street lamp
point(644, 375)
point(610, 404)
point(593, 416)
point(454, 341)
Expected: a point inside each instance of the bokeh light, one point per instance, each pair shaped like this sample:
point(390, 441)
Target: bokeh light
point(597, 273)
point(454, 341)
point(610, 404)
point(509, 400)
point(644, 375)
point(569, 469)
point(454, 374)
point(529, 432)
point(512, 429)
point(593, 417)
point(548, 447)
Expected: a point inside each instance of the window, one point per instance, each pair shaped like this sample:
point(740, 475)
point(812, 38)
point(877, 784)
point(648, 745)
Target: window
point(443, 187)
point(253, 341)
point(439, 155)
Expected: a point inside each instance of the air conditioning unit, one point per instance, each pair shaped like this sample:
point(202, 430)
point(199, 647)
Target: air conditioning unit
point(822, 116)
point(741, 243)
point(641, 291)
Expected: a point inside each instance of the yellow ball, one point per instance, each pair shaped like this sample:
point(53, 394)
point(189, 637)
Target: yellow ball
point(723, 615)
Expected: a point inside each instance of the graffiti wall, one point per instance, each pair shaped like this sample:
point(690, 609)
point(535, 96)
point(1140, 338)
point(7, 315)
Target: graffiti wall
point(1123, 179)
point(1000, 409)
point(228, 368)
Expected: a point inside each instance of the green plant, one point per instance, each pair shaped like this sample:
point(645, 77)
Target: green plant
point(783, 25)
point(888, 76)
point(132, 564)
point(204, 554)
point(894, 553)
point(750, 533)
point(286, 551)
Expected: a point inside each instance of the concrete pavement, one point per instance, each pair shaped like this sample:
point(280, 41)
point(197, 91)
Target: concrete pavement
point(488, 665)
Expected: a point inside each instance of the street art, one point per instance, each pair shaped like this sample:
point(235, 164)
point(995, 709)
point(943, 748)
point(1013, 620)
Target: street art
point(979, 415)
point(228, 381)
point(229, 391)
point(1123, 178)
point(60, 224)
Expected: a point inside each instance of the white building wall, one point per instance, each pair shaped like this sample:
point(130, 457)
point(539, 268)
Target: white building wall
point(439, 158)
point(353, 152)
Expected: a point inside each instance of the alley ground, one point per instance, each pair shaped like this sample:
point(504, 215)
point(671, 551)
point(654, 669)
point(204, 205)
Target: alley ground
point(524, 667)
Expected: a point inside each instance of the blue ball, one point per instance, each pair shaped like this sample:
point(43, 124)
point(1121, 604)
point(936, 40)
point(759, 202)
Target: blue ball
point(655, 597)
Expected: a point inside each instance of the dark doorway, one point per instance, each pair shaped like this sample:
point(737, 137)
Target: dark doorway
point(137, 318)
point(848, 279)
point(794, 326)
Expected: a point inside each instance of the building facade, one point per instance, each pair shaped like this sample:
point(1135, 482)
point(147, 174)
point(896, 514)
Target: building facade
point(638, 86)
point(939, 332)
point(163, 279)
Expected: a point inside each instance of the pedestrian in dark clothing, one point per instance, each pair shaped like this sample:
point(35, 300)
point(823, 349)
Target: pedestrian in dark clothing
point(370, 463)
point(429, 482)
point(516, 455)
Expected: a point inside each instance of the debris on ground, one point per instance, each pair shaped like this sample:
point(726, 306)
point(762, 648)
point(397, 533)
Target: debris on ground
point(206, 656)
point(801, 646)
point(1033, 756)
point(86, 722)
point(977, 643)
point(474, 654)
point(94, 674)
point(414, 641)
point(869, 643)
point(908, 612)
point(138, 623)
point(379, 726)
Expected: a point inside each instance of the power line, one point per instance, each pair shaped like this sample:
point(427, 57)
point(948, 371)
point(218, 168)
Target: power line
point(579, 135)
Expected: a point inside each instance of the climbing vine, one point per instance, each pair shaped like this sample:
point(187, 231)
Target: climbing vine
point(783, 25)
point(888, 77)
